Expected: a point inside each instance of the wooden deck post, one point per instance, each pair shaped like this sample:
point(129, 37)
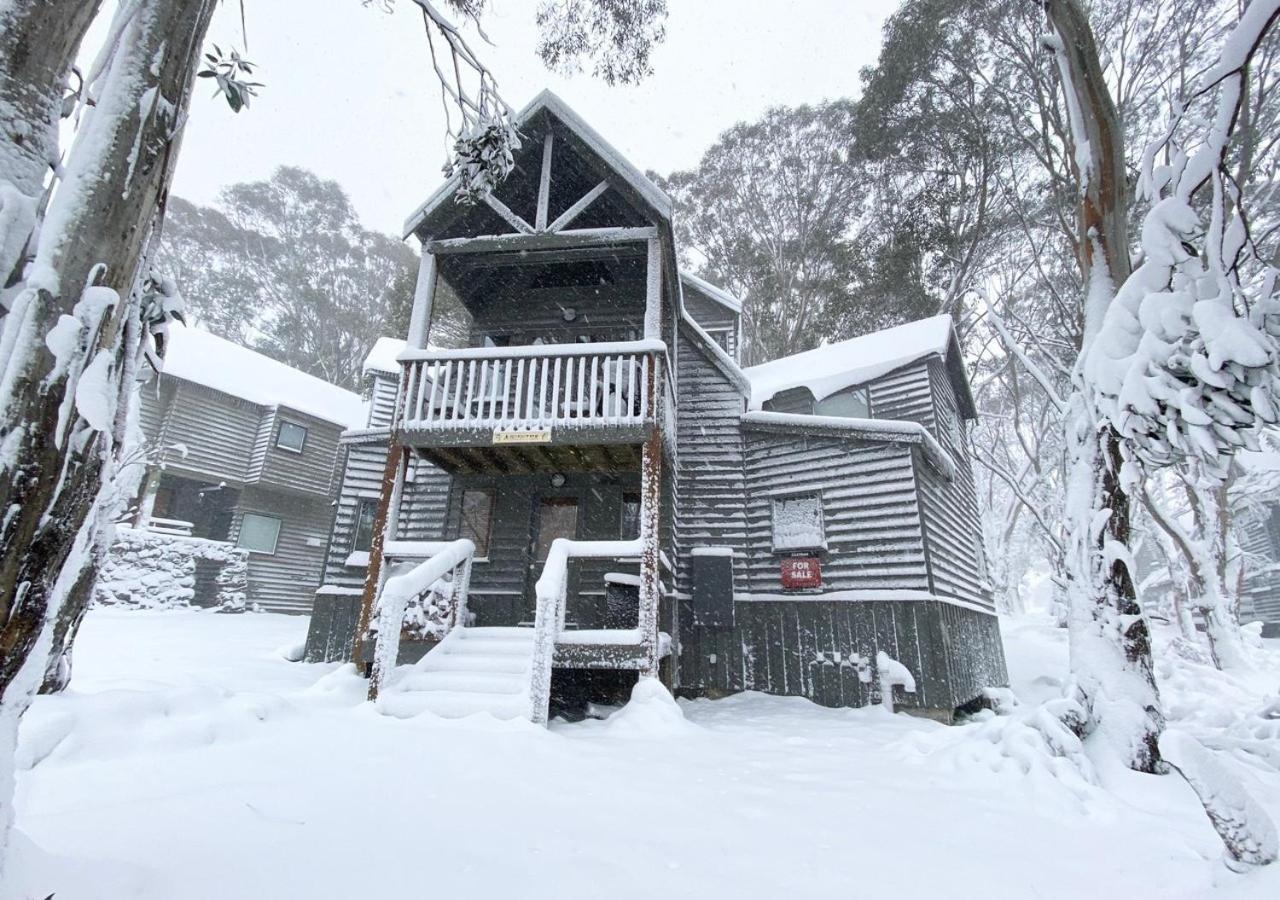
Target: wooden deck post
point(385, 522)
point(423, 300)
point(650, 523)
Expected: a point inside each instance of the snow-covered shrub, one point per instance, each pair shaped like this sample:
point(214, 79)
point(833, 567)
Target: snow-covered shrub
point(148, 570)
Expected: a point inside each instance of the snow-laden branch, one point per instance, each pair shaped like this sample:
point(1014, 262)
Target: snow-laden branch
point(1027, 363)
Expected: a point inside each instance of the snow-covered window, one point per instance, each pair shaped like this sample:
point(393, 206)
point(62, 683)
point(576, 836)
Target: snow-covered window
point(362, 535)
point(291, 436)
point(477, 520)
point(259, 533)
point(797, 523)
point(723, 337)
point(847, 404)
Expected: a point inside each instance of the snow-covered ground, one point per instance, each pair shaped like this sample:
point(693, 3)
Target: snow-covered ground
point(191, 760)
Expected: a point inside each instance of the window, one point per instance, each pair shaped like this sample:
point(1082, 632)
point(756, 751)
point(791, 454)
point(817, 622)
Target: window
point(630, 529)
point(291, 436)
point(259, 534)
point(477, 520)
point(848, 404)
point(362, 534)
point(722, 336)
point(797, 523)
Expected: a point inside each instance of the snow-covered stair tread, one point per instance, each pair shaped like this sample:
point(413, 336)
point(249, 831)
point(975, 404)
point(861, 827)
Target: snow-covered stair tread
point(473, 670)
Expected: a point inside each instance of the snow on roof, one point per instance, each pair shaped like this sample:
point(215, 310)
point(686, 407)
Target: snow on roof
point(826, 370)
point(650, 192)
point(214, 362)
point(709, 290)
point(382, 358)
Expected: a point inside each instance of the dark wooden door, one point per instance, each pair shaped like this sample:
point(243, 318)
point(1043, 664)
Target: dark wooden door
point(553, 517)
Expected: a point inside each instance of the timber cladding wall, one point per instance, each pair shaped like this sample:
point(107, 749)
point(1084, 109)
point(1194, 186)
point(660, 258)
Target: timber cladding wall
point(285, 581)
point(812, 648)
point(869, 504)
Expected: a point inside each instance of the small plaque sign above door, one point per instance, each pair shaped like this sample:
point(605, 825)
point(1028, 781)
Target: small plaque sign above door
point(523, 436)
point(799, 572)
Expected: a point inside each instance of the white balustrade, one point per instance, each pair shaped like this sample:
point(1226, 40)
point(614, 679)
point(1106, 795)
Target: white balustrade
point(534, 387)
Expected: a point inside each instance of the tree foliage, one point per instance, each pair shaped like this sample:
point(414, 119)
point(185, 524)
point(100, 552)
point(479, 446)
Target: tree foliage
point(285, 265)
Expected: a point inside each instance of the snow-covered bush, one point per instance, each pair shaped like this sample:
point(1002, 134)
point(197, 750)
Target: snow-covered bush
point(148, 570)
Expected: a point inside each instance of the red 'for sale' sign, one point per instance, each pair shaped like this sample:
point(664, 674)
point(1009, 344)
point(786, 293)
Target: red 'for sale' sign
point(801, 572)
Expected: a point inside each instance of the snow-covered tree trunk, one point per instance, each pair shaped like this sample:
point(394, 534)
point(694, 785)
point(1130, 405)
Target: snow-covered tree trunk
point(1109, 638)
point(71, 341)
point(38, 42)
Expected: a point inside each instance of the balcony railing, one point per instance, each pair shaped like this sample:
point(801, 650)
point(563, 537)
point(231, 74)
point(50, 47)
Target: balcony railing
point(532, 389)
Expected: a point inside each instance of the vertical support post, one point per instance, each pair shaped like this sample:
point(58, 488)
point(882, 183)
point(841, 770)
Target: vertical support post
point(650, 518)
point(384, 523)
point(147, 497)
point(653, 293)
point(423, 300)
point(544, 185)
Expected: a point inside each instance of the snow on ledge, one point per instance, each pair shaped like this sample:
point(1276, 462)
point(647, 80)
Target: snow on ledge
point(875, 429)
point(863, 596)
point(826, 370)
point(382, 358)
point(711, 551)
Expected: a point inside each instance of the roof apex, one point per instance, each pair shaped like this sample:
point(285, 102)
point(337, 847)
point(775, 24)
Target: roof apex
point(551, 102)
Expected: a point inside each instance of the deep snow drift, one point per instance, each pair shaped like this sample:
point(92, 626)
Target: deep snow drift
point(192, 760)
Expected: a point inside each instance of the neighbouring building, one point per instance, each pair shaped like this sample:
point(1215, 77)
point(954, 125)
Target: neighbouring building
point(242, 453)
point(595, 489)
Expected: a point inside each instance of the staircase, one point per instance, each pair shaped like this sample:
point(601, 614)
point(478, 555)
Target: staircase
point(473, 670)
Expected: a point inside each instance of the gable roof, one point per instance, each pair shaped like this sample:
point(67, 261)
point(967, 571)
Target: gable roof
point(649, 192)
point(834, 367)
point(203, 358)
point(712, 292)
point(382, 358)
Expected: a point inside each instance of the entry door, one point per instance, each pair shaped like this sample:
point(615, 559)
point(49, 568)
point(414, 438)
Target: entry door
point(553, 517)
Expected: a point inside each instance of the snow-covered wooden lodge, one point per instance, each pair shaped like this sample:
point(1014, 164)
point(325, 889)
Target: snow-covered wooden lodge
point(243, 450)
point(594, 488)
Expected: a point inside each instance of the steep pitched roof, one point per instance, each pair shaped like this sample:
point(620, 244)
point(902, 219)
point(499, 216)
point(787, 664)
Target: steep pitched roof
point(834, 367)
point(547, 101)
point(206, 359)
point(712, 292)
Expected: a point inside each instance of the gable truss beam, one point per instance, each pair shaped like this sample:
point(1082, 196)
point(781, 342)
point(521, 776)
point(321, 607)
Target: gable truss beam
point(505, 211)
point(544, 185)
point(578, 208)
point(574, 237)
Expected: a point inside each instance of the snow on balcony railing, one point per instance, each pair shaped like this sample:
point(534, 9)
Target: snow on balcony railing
point(523, 388)
point(552, 595)
point(449, 559)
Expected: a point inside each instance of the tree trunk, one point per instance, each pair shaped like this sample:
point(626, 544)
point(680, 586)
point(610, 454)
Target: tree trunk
point(1109, 638)
point(38, 43)
point(61, 442)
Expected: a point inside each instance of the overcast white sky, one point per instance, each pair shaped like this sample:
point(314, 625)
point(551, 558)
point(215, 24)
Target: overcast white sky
point(350, 93)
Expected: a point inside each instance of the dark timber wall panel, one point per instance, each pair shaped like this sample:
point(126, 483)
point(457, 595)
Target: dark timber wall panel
point(816, 648)
point(953, 535)
point(219, 432)
point(361, 478)
point(904, 394)
point(869, 506)
point(310, 470)
point(382, 399)
point(286, 580)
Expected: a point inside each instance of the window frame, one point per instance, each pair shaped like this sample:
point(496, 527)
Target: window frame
point(776, 499)
point(622, 515)
point(862, 390)
point(363, 503)
point(492, 494)
point(280, 433)
point(275, 542)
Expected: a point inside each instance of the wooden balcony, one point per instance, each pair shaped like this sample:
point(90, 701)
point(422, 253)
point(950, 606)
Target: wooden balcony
point(556, 407)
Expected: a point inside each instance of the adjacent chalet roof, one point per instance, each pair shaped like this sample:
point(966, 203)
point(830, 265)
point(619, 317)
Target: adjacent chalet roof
point(834, 367)
point(214, 362)
point(382, 358)
point(710, 291)
point(546, 101)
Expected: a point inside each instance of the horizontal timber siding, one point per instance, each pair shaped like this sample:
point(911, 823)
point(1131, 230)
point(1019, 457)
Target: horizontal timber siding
point(218, 431)
point(286, 580)
point(869, 505)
